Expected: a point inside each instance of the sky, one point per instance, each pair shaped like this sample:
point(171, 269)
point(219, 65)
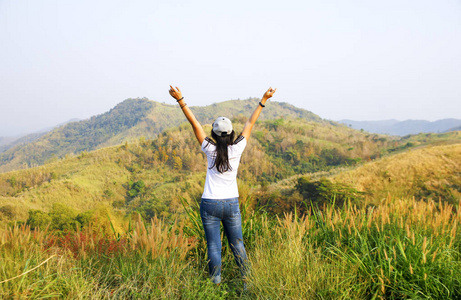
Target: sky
point(359, 60)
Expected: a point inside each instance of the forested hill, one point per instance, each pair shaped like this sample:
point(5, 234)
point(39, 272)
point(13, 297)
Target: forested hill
point(10, 142)
point(131, 119)
point(158, 172)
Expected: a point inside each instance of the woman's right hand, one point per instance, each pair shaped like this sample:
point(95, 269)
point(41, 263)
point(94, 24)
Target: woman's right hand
point(175, 93)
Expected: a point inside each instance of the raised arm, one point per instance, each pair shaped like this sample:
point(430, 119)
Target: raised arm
point(198, 130)
point(252, 120)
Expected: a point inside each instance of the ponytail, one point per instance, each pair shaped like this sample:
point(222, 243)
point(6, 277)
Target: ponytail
point(222, 158)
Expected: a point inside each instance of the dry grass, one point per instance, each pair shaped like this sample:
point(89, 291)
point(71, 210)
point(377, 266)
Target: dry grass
point(400, 249)
point(431, 169)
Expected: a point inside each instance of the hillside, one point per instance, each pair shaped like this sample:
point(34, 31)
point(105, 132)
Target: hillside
point(172, 166)
point(5, 140)
point(401, 128)
point(10, 142)
point(429, 172)
point(128, 120)
point(458, 128)
point(422, 166)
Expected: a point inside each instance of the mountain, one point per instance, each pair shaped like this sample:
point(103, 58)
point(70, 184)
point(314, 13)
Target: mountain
point(9, 142)
point(173, 166)
point(128, 120)
point(401, 128)
point(153, 175)
point(5, 140)
point(458, 128)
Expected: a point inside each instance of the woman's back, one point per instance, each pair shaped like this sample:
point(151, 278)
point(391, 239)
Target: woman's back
point(222, 185)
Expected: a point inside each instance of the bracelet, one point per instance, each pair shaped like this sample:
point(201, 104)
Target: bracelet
point(181, 106)
point(179, 99)
point(262, 105)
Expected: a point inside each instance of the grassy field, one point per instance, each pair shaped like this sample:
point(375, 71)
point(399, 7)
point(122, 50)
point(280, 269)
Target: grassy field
point(400, 242)
point(428, 172)
point(401, 249)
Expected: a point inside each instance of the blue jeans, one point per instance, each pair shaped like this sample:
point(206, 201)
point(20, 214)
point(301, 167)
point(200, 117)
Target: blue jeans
point(213, 212)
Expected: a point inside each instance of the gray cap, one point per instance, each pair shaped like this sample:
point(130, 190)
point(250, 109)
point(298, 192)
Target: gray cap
point(222, 125)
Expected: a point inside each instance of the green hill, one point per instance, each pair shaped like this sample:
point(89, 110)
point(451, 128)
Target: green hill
point(427, 169)
point(156, 173)
point(152, 174)
point(129, 120)
point(429, 172)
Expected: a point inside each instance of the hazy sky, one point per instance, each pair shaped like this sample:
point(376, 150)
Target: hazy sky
point(362, 60)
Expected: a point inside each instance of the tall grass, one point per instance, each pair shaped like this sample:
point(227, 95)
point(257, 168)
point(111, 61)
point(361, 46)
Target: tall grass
point(430, 172)
point(285, 264)
point(150, 261)
point(399, 249)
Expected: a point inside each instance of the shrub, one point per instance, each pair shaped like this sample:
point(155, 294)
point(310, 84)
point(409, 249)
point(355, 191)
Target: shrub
point(324, 191)
point(7, 212)
point(63, 217)
point(153, 207)
point(135, 188)
point(38, 219)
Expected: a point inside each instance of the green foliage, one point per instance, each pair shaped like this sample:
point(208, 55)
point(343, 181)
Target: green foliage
point(447, 191)
point(135, 188)
point(108, 193)
point(177, 163)
point(38, 219)
point(7, 212)
point(324, 191)
point(12, 181)
point(153, 207)
point(63, 217)
point(85, 218)
point(332, 157)
point(275, 124)
point(60, 218)
point(118, 203)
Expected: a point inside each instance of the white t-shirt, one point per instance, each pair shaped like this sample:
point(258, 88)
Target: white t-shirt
point(222, 185)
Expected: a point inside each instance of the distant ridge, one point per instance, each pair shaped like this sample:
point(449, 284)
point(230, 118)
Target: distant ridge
point(458, 128)
point(9, 142)
point(5, 140)
point(131, 119)
point(401, 128)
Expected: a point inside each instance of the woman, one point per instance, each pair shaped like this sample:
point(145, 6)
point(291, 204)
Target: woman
point(220, 197)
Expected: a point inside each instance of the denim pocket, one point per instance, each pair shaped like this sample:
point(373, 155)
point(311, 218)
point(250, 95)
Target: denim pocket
point(235, 210)
point(208, 209)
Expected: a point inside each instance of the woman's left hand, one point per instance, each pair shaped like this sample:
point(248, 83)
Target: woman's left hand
point(270, 92)
point(175, 93)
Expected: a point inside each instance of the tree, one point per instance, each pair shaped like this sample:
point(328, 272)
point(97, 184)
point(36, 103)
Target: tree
point(177, 163)
point(63, 217)
point(135, 188)
point(38, 219)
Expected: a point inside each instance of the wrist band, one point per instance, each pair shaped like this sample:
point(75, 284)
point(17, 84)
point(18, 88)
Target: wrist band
point(262, 105)
point(181, 106)
point(179, 99)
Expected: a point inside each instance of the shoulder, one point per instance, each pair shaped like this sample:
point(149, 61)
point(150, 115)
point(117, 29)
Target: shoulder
point(240, 143)
point(239, 140)
point(208, 141)
point(208, 145)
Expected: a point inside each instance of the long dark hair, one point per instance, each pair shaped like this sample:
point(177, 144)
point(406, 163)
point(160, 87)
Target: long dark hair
point(221, 160)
